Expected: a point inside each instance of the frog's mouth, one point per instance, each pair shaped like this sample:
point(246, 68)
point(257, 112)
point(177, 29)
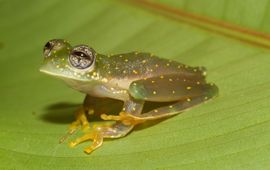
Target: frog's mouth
point(48, 72)
point(64, 74)
point(51, 70)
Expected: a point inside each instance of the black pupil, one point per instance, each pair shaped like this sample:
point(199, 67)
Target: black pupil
point(80, 54)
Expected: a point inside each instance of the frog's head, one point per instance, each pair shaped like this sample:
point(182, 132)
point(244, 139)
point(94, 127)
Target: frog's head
point(67, 62)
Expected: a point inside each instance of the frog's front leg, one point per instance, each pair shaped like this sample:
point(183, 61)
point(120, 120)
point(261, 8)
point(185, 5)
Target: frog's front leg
point(116, 130)
point(100, 132)
point(81, 119)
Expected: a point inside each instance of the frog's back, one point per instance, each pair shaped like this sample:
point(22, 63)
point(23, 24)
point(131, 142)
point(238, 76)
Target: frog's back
point(143, 65)
point(148, 77)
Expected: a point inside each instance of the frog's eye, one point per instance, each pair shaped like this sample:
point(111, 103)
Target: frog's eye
point(82, 57)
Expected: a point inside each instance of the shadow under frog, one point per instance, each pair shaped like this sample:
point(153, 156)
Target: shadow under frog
point(63, 112)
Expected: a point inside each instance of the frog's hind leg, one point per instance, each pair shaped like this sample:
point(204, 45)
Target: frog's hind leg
point(173, 109)
point(185, 102)
point(182, 105)
point(97, 135)
point(189, 91)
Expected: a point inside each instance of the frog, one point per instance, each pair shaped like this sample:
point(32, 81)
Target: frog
point(133, 78)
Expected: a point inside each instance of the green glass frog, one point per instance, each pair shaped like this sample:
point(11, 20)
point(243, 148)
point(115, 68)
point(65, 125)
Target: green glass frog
point(134, 78)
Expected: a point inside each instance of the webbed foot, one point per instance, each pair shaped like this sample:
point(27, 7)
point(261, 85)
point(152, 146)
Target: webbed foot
point(99, 132)
point(81, 121)
point(95, 136)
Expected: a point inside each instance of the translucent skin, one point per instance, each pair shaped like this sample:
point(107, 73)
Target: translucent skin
point(133, 78)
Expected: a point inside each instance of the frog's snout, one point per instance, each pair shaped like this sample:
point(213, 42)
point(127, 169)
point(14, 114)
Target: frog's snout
point(55, 45)
point(55, 53)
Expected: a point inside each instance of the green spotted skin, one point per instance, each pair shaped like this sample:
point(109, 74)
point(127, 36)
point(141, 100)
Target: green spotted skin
point(132, 77)
point(170, 87)
point(137, 65)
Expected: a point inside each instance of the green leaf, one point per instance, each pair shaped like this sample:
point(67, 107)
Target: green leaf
point(248, 13)
point(230, 132)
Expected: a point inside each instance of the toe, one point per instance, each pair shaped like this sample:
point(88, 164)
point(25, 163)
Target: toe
point(104, 117)
point(110, 117)
point(85, 127)
point(88, 150)
point(72, 144)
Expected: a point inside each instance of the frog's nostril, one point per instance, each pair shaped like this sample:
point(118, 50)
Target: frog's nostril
point(48, 45)
point(47, 48)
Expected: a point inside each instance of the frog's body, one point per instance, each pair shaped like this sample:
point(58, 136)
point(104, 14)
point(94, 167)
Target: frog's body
point(133, 78)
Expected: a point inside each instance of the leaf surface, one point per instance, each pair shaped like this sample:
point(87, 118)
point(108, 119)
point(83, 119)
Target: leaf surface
point(230, 132)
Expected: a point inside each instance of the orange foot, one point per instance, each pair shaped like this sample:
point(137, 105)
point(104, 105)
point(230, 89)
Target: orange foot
point(95, 136)
point(126, 118)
